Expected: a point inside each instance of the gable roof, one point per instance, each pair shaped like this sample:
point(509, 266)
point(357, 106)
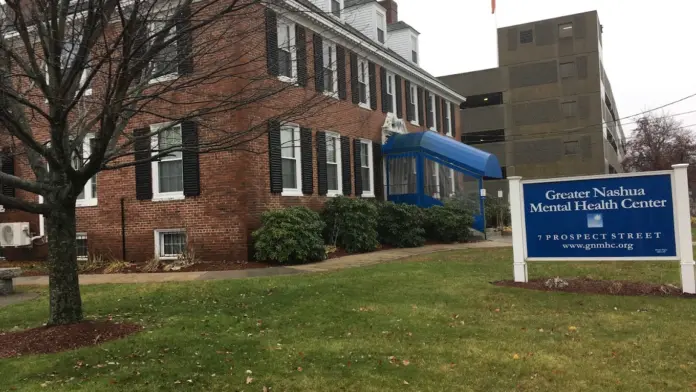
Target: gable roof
point(400, 25)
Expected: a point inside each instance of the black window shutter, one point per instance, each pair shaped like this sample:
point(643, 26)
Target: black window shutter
point(275, 164)
point(355, 94)
point(189, 158)
point(345, 163)
point(271, 42)
point(428, 110)
point(377, 165)
point(184, 43)
point(322, 179)
point(8, 167)
point(307, 161)
point(421, 106)
point(453, 120)
point(399, 101)
point(143, 168)
point(444, 115)
point(341, 71)
point(318, 62)
point(301, 38)
point(438, 115)
point(383, 80)
point(409, 108)
point(357, 162)
point(373, 84)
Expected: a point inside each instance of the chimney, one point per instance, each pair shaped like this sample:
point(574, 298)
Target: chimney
point(392, 10)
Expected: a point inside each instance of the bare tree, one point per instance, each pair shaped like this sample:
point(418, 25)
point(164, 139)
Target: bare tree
point(657, 143)
point(79, 70)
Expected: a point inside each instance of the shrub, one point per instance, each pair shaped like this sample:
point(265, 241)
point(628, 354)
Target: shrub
point(400, 225)
point(351, 224)
point(497, 212)
point(449, 223)
point(290, 235)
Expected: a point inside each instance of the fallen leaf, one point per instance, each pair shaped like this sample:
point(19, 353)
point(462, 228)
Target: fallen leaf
point(516, 356)
point(249, 380)
point(406, 362)
point(572, 328)
point(497, 310)
point(299, 369)
point(541, 329)
point(248, 372)
point(405, 382)
point(265, 389)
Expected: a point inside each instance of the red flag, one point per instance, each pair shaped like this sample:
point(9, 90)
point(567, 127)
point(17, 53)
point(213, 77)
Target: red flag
point(492, 6)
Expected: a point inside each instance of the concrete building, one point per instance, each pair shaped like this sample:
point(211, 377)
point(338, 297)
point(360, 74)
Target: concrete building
point(548, 109)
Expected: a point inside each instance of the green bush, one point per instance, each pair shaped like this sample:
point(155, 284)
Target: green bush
point(290, 235)
point(449, 223)
point(497, 212)
point(400, 225)
point(351, 224)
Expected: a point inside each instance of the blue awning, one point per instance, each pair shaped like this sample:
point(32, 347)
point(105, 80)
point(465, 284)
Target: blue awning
point(447, 149)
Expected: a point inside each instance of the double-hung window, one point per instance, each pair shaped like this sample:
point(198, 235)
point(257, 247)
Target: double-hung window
point(170, 243)
point(287, 55)
point(333, 164)
point(164, 64)
point(414, 49)
point(330, 69)
point(414, 104)
point(290, 156)
point(391, 92)
point(364, 83)
point(88, 196)
point(336, 7)
point(433, 111)
point(447, 126)
point(167, 169)
point(366, 168)
point(68, 57)
point(380, 23)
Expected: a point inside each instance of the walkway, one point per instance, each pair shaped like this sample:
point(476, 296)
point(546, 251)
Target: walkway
point(324, 266)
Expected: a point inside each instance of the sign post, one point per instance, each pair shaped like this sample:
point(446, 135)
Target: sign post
point(628, 216)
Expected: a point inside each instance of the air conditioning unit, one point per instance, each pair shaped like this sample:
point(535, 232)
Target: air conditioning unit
point(15, 234)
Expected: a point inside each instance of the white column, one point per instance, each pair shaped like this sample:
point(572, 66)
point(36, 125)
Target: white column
point(683, 234)
point(515, 195)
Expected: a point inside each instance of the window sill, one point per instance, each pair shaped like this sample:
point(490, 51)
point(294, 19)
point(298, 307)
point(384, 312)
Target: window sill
point(292, 192)
point(287, 79)
point(82, 258)
point(365, 106)
point(167, 258)
point(164, 78)
point(414, 122)
point(369, 195)
point(331, 94)
point(334, 194)
point(168, 197)
point(86, 203)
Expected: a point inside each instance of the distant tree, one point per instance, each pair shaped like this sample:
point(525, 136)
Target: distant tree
point(657, 143)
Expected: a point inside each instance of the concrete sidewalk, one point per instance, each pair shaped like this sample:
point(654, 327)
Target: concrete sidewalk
point(351, 261)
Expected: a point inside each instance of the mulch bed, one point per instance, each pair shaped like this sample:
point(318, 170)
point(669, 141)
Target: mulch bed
point(137, 268)
point(607, 287)
point(46, 340)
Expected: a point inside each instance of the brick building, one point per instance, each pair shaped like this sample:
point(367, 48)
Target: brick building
point(356, 54)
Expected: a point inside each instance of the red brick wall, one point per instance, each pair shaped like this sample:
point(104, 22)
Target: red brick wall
point(235, 185)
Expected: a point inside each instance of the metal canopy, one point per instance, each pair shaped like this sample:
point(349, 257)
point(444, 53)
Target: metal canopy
point(452, 153)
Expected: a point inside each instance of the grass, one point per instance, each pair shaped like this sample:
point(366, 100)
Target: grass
point(337, 332)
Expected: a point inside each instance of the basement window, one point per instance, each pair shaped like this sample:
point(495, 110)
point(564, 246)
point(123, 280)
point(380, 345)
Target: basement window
point(81, 246)
point(170, 244)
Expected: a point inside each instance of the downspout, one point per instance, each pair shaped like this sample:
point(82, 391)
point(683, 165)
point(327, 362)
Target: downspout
point(123, 229)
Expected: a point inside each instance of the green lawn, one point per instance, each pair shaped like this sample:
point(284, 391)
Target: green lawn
point(437, 312)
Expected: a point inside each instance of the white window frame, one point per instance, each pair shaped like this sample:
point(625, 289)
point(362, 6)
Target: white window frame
point(448, 119)
point(333, 66)
point(89, 200)
point(370, 166)
point(154, 143)
point(364, 68)
point(85, 72)
point(79, 236)
point(330, 9)
point(414, 99)
point(159, 243)
point(298, 161)
point(451, 172)
point(391, 81)
point(152, 29)
point(433, 111)
point(339, 171)
point(414, 48)
point(380, 24)
point(293, 50)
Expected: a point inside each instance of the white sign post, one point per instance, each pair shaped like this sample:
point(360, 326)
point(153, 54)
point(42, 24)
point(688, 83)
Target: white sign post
point(628, 216)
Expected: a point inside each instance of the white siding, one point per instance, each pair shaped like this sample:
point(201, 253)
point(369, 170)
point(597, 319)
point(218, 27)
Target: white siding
point(321, 4)
point(363, 19)
point(400, 42)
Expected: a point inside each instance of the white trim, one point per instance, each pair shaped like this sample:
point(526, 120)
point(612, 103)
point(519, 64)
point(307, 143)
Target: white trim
point(414, 98)
point(597, 177)
point(380, 21)
point(448, 118)
point(339, 171)
point(378, 54)
point(170, 76)
point(330, 9)
point(156, 194)
point(370, 166)
point(433, 111)
point(159, 245)
point(333, 66)
point(89, 199)
point(391, 80)
point(364, 68)
point(282, 22)
point(296, 145)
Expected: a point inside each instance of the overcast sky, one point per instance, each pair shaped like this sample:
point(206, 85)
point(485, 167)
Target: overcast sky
point(649, 46)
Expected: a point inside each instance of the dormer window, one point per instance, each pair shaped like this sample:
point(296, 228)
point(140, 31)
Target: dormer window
point(414, 49)
point(381, 24)
point(336, 8)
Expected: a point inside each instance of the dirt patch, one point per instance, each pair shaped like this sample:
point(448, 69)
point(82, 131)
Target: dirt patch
point(225, 266)
point(45, 340)
point(39, 269)
point(608, 287)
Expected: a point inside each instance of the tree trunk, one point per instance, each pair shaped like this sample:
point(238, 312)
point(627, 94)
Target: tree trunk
point(65, 303)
